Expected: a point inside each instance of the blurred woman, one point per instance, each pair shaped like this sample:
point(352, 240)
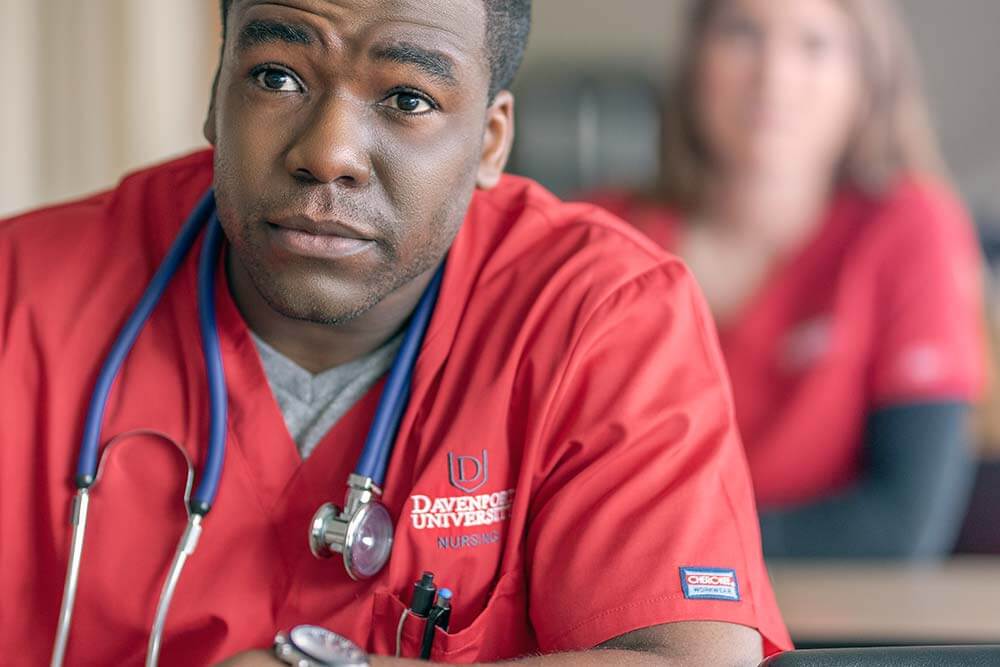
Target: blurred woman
point(803, 187)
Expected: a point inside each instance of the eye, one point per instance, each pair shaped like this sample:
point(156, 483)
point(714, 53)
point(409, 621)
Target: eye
point(737, 27)
point(277, 80)
point(409, 102)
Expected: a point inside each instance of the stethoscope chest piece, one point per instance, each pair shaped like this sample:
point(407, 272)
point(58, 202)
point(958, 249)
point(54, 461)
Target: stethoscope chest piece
point(361, 532)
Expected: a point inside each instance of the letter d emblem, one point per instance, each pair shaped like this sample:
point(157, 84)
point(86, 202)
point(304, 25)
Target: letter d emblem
point(468, 473)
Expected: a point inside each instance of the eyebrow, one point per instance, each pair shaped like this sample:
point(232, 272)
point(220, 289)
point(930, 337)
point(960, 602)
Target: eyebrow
point(260, 32)
point(434, 63)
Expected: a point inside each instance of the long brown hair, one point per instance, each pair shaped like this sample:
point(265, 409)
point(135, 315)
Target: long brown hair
point(893, 137)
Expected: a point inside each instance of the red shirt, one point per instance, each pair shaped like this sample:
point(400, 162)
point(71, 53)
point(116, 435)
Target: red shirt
point(588, 486)
point(881, 306)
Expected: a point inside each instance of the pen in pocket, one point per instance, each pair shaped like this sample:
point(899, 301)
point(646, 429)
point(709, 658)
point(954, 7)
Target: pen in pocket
point(438, 617)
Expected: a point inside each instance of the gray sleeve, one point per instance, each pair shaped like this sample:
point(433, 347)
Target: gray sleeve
point(918, 472)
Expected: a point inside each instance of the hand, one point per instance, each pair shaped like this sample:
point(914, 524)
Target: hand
point(252, 659)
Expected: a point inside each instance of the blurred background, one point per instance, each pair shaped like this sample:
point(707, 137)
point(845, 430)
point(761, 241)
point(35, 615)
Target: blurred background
point(94, 89)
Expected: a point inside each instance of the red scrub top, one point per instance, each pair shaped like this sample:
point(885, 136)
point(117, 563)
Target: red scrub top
point(568, 463)
point(882, 306)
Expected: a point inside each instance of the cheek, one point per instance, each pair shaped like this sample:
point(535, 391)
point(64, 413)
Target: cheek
point(725, 80)
point(834, 103)
point(726, 71)
point(249, 141)
point(428, 178)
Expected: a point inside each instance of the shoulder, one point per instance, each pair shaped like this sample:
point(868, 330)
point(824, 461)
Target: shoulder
point(917, 226)
point(915, 192)
point(152, 192)
point(920, 211)
point(618, 202)
point(75, 239)
point(96, 253)
point(586, 217)
point(579, 246)
point(655, 219)
point(554, 281)
point(923, 256)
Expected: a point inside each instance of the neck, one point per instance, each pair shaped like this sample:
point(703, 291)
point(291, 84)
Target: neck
point(773, 213)
point(318, 347)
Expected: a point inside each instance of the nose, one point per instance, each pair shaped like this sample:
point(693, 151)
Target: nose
point(778, 71)
point(332, 147)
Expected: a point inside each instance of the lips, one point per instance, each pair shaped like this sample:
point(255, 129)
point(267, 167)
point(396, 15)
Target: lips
point(322, 239)
point(322, 227)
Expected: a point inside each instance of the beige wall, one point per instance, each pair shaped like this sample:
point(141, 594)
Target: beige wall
point(94, 87)
point(958, 42)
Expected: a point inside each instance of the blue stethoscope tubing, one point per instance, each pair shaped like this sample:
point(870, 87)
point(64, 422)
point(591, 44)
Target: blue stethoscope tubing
point(201, 217)
point(372, 464)
point(396, 395)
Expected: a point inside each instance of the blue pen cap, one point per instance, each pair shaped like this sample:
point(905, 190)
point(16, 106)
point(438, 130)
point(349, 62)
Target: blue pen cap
point(444, 597)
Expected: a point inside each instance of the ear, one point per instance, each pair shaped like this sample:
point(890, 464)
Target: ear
point(498, 138)
point(208, 129)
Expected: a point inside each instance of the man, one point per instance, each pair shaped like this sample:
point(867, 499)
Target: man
point(567, 465)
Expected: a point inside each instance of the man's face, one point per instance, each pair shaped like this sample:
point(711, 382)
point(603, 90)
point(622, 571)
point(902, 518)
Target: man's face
point(348, 136)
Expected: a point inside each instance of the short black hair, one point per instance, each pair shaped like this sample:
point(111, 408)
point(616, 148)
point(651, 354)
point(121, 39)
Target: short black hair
point(508, 23)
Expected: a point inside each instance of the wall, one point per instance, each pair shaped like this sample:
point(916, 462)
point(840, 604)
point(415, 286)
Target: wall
point(960, 51)
point(95, 87)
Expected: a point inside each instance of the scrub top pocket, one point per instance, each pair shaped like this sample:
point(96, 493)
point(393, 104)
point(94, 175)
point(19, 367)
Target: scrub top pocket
point(487, 639)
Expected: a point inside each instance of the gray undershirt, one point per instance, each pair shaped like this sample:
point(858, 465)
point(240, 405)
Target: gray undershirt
point(313, 404)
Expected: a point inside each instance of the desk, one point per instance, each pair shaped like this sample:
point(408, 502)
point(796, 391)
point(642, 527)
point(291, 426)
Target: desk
point(852, 603)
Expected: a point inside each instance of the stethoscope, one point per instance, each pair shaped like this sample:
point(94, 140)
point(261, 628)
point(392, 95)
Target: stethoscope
point(362, 532)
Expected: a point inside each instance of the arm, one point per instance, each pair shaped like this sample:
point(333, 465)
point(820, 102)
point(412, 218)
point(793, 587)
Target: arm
point(918, 473)
point(672, 645)
point(926, 367)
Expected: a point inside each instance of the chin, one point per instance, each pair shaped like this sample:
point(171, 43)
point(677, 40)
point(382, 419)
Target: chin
point(321, 300)
point(766, 161)
point(311, 308)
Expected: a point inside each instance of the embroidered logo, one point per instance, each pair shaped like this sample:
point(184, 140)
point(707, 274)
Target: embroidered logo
point(461, 511)
point(709, 583)
point(465, 511)
point(468, 473)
